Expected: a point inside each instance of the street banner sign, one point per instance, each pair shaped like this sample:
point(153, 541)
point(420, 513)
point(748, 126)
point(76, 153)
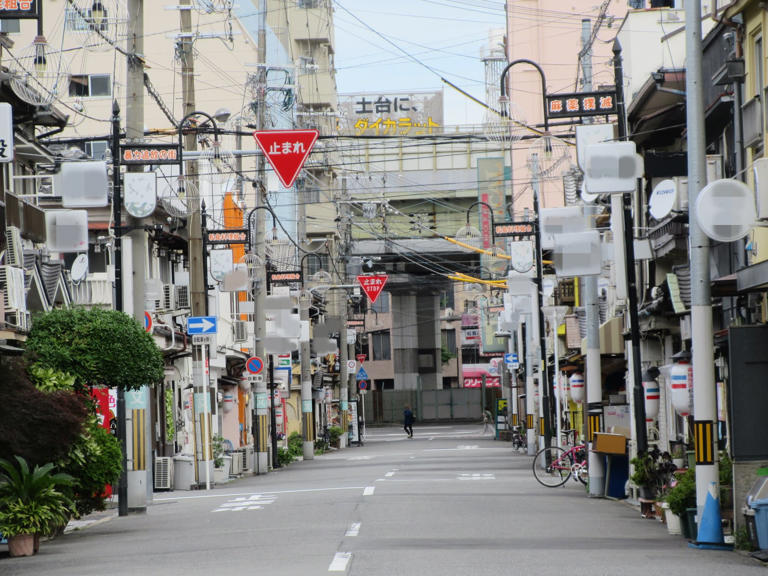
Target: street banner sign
point(286, 150)
point(361, 358)
point(147, 322)
point(201, 325)
point(254, 364)
point(580, 104)
point(6, 131)
point(373, 285)
point(361, 374)
point(19, 10)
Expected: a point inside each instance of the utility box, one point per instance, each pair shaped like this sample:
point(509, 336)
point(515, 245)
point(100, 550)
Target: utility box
point(183, 472)
point(605, 443)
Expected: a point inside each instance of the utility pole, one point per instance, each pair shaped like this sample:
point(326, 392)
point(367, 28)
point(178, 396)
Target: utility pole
point(260, 188)
point(594, 400)
point(307, 428)
point(704, 389)
point(197, 274)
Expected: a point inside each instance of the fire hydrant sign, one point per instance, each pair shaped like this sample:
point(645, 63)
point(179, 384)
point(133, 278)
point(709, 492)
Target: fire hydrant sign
point(373, 285)
point(286, 150)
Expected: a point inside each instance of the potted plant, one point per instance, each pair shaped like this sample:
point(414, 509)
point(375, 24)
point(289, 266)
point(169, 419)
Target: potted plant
point(222, 463)
point(30, 504)
point(645, 475)
point(681, 498)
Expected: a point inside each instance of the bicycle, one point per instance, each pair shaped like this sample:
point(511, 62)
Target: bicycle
point(553, 466)
point(518, 438)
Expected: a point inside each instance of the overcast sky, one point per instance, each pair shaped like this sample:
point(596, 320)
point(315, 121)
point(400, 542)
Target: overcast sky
point(448, 36)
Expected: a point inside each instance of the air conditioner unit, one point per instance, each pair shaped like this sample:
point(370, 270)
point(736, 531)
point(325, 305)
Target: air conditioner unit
point(182, 296)
point(12, 285)
point(163, 473)
point(760, 171)
point(237, 464)
point(15, 252)
point(18, 319)
point(247, 458)
point(241, 331)
point(169, 298)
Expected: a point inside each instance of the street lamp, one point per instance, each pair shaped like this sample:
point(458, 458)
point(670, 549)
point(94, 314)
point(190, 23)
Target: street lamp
point(546, 384)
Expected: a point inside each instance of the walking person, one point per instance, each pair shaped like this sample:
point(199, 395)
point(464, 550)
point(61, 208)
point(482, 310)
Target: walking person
point(487, 422)
point(408, 421)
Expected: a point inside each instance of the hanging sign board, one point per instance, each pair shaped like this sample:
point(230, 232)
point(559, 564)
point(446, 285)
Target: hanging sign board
point(18, 10)
point(140, 193)
point(581, 104)
point(285, 278)
point(507, 229)
point(145, 154)
point(286, 150)
point(373, 285)
point(233, 236)
point(6, 130)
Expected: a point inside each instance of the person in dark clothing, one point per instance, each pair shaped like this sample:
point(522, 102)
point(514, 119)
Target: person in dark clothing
point(408, 421)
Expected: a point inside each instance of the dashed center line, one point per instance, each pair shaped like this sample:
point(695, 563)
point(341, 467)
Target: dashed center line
point(476, 477)
point(340, 561)
point(369, 490)
point(353, 530)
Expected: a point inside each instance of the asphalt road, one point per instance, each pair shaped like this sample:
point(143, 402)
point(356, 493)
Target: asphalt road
point(450, 501)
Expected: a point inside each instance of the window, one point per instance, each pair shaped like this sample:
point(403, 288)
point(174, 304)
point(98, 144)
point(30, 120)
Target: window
point(447, 300)
point(380, 346)
point(758, 62)
point(90, 85)
point(97, 149)
point(313, 264)
point(449, 340)
point(93, 18)
point(382, 303)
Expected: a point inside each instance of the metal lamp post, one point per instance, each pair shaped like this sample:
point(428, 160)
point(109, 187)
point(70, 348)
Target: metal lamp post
point(546, 385)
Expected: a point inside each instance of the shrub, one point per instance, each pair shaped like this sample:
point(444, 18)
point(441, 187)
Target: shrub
point(296, 444)
point(284, 456)
point(94, 461)
point(682, 495)
point(335, 434)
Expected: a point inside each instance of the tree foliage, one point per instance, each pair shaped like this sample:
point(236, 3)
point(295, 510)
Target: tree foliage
point(39, 426)
point(96, 347)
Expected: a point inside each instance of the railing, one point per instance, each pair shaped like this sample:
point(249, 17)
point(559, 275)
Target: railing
point(95, 290)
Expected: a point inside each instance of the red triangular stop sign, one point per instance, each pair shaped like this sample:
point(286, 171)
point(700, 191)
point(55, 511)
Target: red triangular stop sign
point(286, 150)
point(373, 285)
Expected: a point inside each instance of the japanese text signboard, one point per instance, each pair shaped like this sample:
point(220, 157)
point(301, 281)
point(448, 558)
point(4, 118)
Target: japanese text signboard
point(392, 113)
point(145, 154)
point(18, 9)
point(286, 150)
point(227, 236)
point(373, 285)
point(581, 104)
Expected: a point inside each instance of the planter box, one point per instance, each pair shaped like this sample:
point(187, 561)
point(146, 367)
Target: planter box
point(672, 520)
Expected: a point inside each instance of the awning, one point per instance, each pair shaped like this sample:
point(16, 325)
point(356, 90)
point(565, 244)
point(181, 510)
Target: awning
point(753, 277)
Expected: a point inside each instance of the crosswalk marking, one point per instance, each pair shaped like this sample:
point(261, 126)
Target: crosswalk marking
point(476, 477)
point(340, 561)
point(354, 529)
point(255, 502)
point(369, 490)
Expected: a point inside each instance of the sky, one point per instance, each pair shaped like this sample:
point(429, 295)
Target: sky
point(448, 36)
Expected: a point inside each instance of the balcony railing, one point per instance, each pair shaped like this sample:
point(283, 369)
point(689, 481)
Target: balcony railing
point(95, 290)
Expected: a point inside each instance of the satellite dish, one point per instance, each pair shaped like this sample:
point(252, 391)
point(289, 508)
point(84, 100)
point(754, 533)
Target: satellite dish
point(663, 199)
point(725, 210)
point(79, 269)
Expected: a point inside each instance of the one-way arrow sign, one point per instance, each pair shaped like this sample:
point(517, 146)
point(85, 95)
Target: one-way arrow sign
point(201, 325)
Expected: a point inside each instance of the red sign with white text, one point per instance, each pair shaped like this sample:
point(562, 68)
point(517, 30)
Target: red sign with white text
point(286, 150)
point(373, 285)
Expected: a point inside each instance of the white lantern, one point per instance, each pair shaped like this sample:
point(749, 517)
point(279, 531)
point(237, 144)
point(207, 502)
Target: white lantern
point(576, 382)
point(651, 388)
point(564, 387)
point(229, 402)
point(680, 388)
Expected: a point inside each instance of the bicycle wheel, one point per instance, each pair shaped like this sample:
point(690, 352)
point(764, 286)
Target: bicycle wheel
point(552, 466)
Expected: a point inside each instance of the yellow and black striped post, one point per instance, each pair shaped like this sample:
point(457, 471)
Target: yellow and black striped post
point(514, 419)
point(139, 450)
point(262, 429)
point(703, 433)
point(541, 427)
point(593, 427)
point(529, 422)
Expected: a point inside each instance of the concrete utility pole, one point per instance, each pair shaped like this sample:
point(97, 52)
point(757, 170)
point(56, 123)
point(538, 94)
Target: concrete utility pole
point(197, 273)
point(590, 295)
point(307, 428)
point(259, 320)
point(704, 389)
point(339, 310)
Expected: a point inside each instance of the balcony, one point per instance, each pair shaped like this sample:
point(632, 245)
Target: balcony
point(95, 290)
point(311, 21)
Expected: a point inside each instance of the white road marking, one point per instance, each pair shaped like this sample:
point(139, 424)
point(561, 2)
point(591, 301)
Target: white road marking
point(389, 474)
point(354, 529)
point(255, 502)
point(476, 477)
point(225, 495)
point(360, 458)
point(369, 490)
point(340, 561)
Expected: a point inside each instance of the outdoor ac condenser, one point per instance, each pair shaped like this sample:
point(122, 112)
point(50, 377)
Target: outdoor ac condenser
point(163, 473)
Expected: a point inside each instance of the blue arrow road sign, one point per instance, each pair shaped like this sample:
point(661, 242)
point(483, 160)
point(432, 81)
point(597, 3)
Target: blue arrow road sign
point(201, 325)
point(362, 374)
point(509, 358)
